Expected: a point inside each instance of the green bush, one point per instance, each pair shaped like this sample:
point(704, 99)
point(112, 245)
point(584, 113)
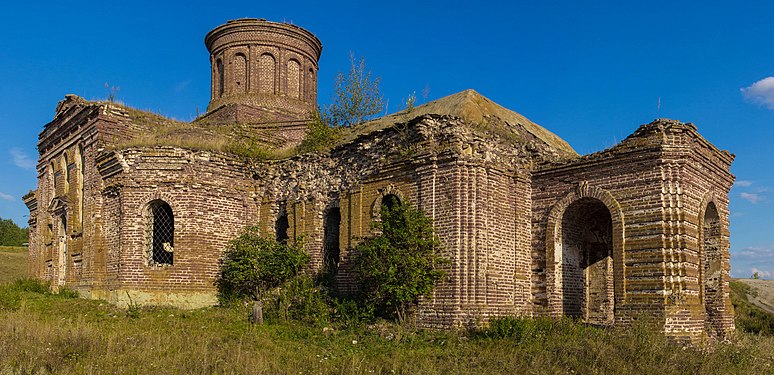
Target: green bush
point(319, 136)
point(297, 299)
point(351, 313)
point(254, 264)
point(399, 265)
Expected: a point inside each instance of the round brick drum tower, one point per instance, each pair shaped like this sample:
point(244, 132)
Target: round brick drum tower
point(268, 66)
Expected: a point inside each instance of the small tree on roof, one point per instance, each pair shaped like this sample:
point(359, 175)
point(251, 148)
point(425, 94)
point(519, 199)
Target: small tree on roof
point(356, 96)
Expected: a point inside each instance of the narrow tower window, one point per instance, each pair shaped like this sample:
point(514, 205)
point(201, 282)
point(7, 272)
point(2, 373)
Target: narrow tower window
point(219, 68)
point(240, 73)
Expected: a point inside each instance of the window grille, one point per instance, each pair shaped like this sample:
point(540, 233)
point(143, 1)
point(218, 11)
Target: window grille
point(161, 228)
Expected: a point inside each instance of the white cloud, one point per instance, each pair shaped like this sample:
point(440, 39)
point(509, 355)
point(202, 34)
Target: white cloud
point(743, 183)
point(751, 197)
point(5, 196)
point(761, 273)
point(21, 159)
point(761, 92)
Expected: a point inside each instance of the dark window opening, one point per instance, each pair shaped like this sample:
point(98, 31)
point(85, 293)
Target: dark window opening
point(282, 225)
point(219, 67)
point(331, 250)
point(162, 236)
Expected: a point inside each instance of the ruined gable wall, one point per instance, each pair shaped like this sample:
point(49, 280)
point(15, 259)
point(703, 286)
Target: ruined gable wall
point(68, 188)
point(471, 186)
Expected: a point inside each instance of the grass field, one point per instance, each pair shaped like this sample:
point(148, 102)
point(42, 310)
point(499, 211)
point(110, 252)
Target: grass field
point(42, 332)
point(13, 263)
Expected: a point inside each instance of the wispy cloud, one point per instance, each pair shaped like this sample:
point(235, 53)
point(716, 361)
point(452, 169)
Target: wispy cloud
point(751, 259)
point(743, 183)
point(21, 159)
point(5, 196)
point(754, 252)
point(761, 92)
point(761, 273)
point(181, 86)
point(751, 197)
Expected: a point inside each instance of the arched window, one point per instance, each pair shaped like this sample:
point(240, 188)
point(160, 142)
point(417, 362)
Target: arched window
point(389, 201)
point(240, 73)
point(266, 74)
point(282, 225)
point(160, 233)
point(294, 79)
point(219, 72)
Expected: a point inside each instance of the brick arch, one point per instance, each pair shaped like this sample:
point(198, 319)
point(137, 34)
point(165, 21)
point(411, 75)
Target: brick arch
point(376, 205)
point(713, 321)
point(144, 214)
point(553, 234)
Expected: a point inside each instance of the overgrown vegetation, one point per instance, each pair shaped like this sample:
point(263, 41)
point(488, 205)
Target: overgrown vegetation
point(400, 264)
point(11, 234)
point(748, 317)
point(394, 269)
point(320, 136)
point(44, 332)
point(254, 264)
point(356, 96)
point(48, 333)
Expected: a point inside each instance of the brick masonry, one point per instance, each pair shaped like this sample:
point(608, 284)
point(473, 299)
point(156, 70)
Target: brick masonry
point(637, 230)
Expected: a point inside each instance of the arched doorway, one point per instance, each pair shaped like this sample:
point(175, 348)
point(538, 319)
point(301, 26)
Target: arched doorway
point(61, 232)
point(586, 265)
point(712, 269)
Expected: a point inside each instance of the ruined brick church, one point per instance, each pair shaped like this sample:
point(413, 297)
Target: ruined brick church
point(530, 227)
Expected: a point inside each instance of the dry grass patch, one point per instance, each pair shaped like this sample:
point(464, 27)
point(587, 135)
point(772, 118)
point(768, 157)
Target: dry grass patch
point(13, 263)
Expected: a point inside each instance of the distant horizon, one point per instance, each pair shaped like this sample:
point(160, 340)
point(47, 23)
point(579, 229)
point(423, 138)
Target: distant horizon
point(589, 73)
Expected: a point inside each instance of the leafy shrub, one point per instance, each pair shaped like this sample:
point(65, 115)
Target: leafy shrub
point(297, 299)
point(253, 264)
point(319, 136)
point(397, 266)
point(351, 313)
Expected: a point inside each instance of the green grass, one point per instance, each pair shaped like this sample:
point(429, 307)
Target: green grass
point(42, 332)
point(13, 263)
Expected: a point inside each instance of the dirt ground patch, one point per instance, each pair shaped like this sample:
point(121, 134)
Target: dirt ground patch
point(761, 293)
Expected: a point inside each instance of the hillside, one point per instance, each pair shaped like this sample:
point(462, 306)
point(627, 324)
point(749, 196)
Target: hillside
point(761, 293)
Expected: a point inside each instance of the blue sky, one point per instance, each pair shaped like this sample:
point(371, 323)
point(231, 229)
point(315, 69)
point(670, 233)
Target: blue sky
point(591, 72)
